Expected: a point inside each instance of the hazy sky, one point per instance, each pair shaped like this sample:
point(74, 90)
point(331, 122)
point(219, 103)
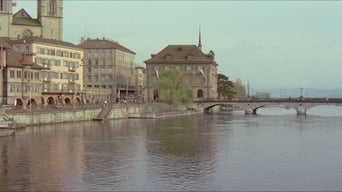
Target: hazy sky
point(270, 44)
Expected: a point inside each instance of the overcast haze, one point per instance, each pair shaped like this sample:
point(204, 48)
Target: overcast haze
point(271, 44)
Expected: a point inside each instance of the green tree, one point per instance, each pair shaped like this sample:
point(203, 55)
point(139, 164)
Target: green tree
point(240, 89)
point(172, 88)
point(225, 87)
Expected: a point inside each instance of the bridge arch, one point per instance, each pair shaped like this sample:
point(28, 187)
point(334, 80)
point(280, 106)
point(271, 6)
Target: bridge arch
point(251, 106)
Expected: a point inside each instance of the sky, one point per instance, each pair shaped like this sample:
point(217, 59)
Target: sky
point(266, 44)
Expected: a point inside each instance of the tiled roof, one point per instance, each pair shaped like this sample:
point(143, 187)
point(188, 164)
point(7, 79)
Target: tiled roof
point(31, 40)
point(14, 59)
point(181, 54)
point(4, 44)
point(104, 44)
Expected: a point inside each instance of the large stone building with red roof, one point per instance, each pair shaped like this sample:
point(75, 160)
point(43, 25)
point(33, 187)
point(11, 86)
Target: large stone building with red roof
point(199, 70)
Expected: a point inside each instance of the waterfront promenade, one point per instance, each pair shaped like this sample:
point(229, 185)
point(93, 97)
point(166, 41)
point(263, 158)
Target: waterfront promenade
point(74, 113)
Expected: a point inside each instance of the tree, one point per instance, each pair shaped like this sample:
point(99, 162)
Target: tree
point(262, 95)
point(240, 89)
point(225, 87)
point(172, 89)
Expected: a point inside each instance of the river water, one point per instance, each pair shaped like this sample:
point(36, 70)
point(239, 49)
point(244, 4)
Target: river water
point(274, 150)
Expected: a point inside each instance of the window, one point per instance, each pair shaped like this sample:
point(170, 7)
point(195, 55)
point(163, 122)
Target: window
point(18, 74)
point(1, 5)
point(53, 7)
point(12, 74)
point(52, 52)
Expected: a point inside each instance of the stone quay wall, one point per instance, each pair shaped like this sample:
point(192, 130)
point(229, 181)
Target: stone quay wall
point(39, 117)
point(71, 114)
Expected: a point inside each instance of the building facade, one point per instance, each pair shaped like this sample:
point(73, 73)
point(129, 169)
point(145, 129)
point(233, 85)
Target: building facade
point(22, 81)
point(62, 68)
point(141, 84)
point(198, 69)
point(4, 48)
point(109, 65)
point(48, 23)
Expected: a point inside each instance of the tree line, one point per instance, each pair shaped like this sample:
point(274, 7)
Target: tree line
point(173, 89)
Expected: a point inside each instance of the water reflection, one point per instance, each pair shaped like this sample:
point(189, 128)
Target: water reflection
point(226, 151)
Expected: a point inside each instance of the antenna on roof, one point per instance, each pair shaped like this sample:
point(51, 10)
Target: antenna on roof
point(199, 39)
point(85, 30)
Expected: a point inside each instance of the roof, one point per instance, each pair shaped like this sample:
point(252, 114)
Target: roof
point(4, 44)
point(31, 40)
point(23, 18)
point(181, 54)
point(14, 59)
point(104, 44)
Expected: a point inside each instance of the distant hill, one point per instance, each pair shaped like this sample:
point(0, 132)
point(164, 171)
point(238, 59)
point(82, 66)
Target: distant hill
point(307, 92)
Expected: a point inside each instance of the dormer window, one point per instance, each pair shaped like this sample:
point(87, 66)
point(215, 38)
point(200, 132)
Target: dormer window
point(189, 57)
point(168, 56)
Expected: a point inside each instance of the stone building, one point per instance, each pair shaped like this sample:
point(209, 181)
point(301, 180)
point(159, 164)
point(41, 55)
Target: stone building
point(4, 48)
point(109, 65)
point(199, 70)
point(22, 80)
point(47, 24)
point(141, 84)
point(62, 73)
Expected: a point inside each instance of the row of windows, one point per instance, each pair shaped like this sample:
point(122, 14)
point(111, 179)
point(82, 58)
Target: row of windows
point(56, 62)
point(26, 88)
point(189, 79)
point(101, 86)
point(24, 74)
point(34, 88)
point(13, 74)
point(180, 68)
point(57, 52)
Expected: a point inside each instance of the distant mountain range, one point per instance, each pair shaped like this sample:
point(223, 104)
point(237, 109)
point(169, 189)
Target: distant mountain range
point(307, 92)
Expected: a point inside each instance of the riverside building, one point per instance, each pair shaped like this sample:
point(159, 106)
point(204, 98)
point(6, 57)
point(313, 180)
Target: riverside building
point(62, 68)
point(198, 69)
point(109, 66)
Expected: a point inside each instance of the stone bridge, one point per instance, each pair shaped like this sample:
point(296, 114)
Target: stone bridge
point(250, 106)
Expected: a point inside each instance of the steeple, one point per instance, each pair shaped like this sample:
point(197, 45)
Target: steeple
point(199, 40)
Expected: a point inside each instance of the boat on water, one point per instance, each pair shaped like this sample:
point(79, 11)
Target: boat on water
point(7, 123)
point(7, 132)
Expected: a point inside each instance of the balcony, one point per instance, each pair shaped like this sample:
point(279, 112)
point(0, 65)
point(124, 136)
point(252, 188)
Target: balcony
point(72, 69)
point(46, 67)
point(46, 80)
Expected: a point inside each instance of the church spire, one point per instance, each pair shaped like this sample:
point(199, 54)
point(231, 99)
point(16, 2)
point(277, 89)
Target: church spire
point(199, 40)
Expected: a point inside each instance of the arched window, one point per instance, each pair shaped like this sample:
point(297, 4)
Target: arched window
point(53, 7)
point(155, 94)
point(200, 93)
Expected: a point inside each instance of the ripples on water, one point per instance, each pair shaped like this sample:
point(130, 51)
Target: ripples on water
point(274, 150)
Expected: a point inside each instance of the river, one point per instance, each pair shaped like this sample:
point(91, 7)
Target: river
point(274, 150)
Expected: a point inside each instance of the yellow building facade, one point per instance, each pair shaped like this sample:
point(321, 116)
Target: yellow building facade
point(62, 68)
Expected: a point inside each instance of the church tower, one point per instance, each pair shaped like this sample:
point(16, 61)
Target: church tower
point(5, 17)
point(199, 40)
point(50, 15)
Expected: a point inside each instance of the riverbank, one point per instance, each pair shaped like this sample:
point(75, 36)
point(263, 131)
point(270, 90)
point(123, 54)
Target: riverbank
point(84, 113)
